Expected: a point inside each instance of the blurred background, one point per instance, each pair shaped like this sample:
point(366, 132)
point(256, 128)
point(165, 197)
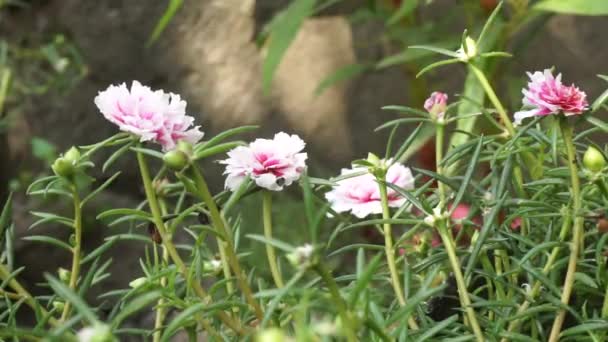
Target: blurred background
point(321, 69)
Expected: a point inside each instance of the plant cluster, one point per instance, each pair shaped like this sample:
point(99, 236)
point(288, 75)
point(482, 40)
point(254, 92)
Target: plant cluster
point(503, 240)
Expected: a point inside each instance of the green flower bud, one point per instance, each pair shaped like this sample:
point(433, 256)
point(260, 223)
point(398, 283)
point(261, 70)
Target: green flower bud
point(72, 155)
point(135, 283)
point(185, 147)
point(63, 167)
point(271, 335)
point(594, 160)
point(373, 159)
point(468, 50)
point(176, 160)
point(212, 266)
point(64, 275)
point(58, 305)
point(302, 256)
point(96, 333)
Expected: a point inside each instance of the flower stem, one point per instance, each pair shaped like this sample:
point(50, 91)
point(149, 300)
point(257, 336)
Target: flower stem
point(390, 253)
point(494, 99)
point(514, 325)
point(439, 136)
point(351, 336)
point(577, 236)
point(463, 294)
point(161, 311)
point(272, 258)
point(76, 251)
point(218, 222)
point(510, 130)
point(172, 251)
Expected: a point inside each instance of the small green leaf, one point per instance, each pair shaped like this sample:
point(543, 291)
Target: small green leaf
point(49, 240)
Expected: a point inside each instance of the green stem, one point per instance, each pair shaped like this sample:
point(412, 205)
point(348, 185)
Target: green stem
point(219, 224)
point(514, 325)
point(463, 294)
point(272, 258)
point(578, 234)
point(76, 251)
point(390, 252)
point(439, 137)
point(161, 311)
point(172, 251)
point(5, 275)
point(485, 84)
point(351, 335)
point(510, 130)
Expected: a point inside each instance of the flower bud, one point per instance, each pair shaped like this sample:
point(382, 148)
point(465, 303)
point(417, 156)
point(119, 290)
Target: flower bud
point(436, 104)
point(468, 50)
point(63, 168)
point(301, 257)
point(97, 333)
point(212, 266)
point(176, 160)
point(58, 305)
point(373, 159)
point(594, 160)
point(72, 155)
point(64, 275)
point(185, 147)
point(135, 283)
point(271, 335)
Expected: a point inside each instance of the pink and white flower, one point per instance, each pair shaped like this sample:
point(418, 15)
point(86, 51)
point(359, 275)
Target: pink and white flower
point(547, 95)
point(361, 194)
point(271, 163)
point(436, 104)
point(151, 115)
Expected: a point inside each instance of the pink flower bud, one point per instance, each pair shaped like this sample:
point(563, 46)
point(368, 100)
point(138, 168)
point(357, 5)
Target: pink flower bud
point(436, 104)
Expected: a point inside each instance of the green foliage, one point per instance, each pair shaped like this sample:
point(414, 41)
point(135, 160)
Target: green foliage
point(579, 7)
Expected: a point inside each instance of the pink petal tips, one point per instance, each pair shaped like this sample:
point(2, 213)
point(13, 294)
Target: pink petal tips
point(360, 194)
point(547, 95)
point(436, 104)
point(271, 163)
point(151, 115)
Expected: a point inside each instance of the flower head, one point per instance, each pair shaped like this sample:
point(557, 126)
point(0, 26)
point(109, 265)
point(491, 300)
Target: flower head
point(271, 163)
point(361, 194)
point(547, 95)
point(150, 115)
point(436, 104)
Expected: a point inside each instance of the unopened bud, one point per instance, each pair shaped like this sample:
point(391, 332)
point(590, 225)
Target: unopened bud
point(72, 155)
point(63, 168)
point(301, 257)
point(176, 160)
point(96, 333)
point(212, 266)
point(594, 160)
point(64, 275)
point(135, 283)
point(468, 50)
point(271, 335)
point(58, 305)
point(185, 147)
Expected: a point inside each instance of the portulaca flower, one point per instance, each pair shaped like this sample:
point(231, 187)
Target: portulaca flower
point(271, 163)
point(151, 115)
point(436, 104)
point(361, 194)
point(547, 95)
